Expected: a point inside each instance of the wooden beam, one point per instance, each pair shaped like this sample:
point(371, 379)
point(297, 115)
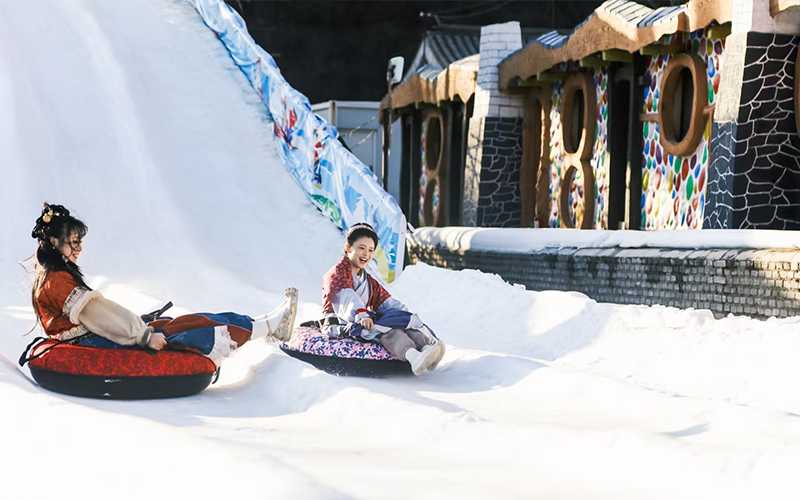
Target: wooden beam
point(424, 105)
point(555, 76)
point(520, 90)
point(660, 50)
point(530, 82)
point(593, 62)
point(617, 55)
point(719, 32)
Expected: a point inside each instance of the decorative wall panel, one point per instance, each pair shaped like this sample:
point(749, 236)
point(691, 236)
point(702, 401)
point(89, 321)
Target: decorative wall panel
point(766, 185)
point(674, 187)
point(599, 161)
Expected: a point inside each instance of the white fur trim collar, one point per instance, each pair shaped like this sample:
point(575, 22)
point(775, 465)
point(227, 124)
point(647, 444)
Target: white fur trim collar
point(76, 301)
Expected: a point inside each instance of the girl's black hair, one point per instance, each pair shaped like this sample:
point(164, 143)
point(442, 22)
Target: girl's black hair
point(360, 230)
point(55, 222)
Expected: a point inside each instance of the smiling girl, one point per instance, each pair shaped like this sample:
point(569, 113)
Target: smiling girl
point(356, 305)
point(68, 309)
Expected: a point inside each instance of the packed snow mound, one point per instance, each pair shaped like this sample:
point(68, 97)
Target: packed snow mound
point(133, 115)
point(679, 352)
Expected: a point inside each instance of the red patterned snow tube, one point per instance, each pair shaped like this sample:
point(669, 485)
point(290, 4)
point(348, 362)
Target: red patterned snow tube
point(119, 373)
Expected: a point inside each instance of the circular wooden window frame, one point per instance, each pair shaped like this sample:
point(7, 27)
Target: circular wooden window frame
point(583, 83)
point(582, 156)
point(535, 175)
point(434, 174)
point(697, 125)
point(588, 195)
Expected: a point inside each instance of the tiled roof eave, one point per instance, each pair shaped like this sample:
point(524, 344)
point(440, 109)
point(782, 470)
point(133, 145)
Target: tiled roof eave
point(607, 30)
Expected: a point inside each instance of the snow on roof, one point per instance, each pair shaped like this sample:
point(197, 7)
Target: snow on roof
point(521, 240)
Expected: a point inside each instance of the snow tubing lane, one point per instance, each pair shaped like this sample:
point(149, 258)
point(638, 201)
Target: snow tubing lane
point(121, 373)
point(343, 356)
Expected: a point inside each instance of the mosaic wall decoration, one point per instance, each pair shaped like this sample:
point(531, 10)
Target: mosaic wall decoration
point(423, 179)
point(599, 161)
point(557, 159)
point(674, 187)
point(758, 171)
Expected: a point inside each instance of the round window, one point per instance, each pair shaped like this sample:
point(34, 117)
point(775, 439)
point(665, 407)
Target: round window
point(576, 120)
point(433, 143)
point(431, 180)
point(684, 97)
point(579, 115)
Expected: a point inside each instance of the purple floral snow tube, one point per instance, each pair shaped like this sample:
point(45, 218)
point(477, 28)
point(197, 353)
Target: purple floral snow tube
point(343, 356)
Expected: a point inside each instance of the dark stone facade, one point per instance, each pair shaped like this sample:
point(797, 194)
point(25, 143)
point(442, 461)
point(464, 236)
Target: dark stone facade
point(719, 193)
point(499, 201)
point(756, 283)
point(764, 191)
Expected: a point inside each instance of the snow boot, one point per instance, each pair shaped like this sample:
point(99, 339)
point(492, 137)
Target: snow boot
point(279, 323)
point(420, 360)
point(440, 348)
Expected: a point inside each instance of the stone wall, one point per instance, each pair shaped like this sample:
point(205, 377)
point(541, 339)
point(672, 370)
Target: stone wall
point(754, 181)
point(499, 202)
point(757, 283)
point(719, 190)
point(767, 174)
point(494, 149)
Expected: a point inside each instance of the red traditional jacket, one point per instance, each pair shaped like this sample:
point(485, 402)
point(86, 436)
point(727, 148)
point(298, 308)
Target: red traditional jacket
point(59, 302)
point(339, 277)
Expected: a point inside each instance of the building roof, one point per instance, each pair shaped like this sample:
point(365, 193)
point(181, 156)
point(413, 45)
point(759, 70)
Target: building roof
point(616, 24)
point(443, 46)
point(440, 48)
point(778, 6)
point(431, 86)
point(445, 66)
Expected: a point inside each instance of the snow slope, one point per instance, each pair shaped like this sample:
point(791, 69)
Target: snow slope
point(132, 114)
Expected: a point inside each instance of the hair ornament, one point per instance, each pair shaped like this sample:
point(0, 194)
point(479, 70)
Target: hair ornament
point(47, 216)
point(49, 212)
point(365, 228)
point(360, 225)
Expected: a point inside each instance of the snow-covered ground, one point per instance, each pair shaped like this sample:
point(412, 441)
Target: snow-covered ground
point(132, 114)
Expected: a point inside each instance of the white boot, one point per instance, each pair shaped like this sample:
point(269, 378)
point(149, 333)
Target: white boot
point(440, 348)
point(420, 360)
point(279, 323)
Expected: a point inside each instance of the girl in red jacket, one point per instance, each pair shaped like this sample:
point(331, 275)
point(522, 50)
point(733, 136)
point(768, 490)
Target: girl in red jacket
point(67, 308)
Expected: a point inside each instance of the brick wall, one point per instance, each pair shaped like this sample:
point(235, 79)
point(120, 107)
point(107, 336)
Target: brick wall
point(497, 42)
point(757, 283)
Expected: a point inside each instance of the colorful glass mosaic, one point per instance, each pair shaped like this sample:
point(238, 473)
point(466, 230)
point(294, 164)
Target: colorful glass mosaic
point(599, 160)
point(556, 157)
point(674, 188)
